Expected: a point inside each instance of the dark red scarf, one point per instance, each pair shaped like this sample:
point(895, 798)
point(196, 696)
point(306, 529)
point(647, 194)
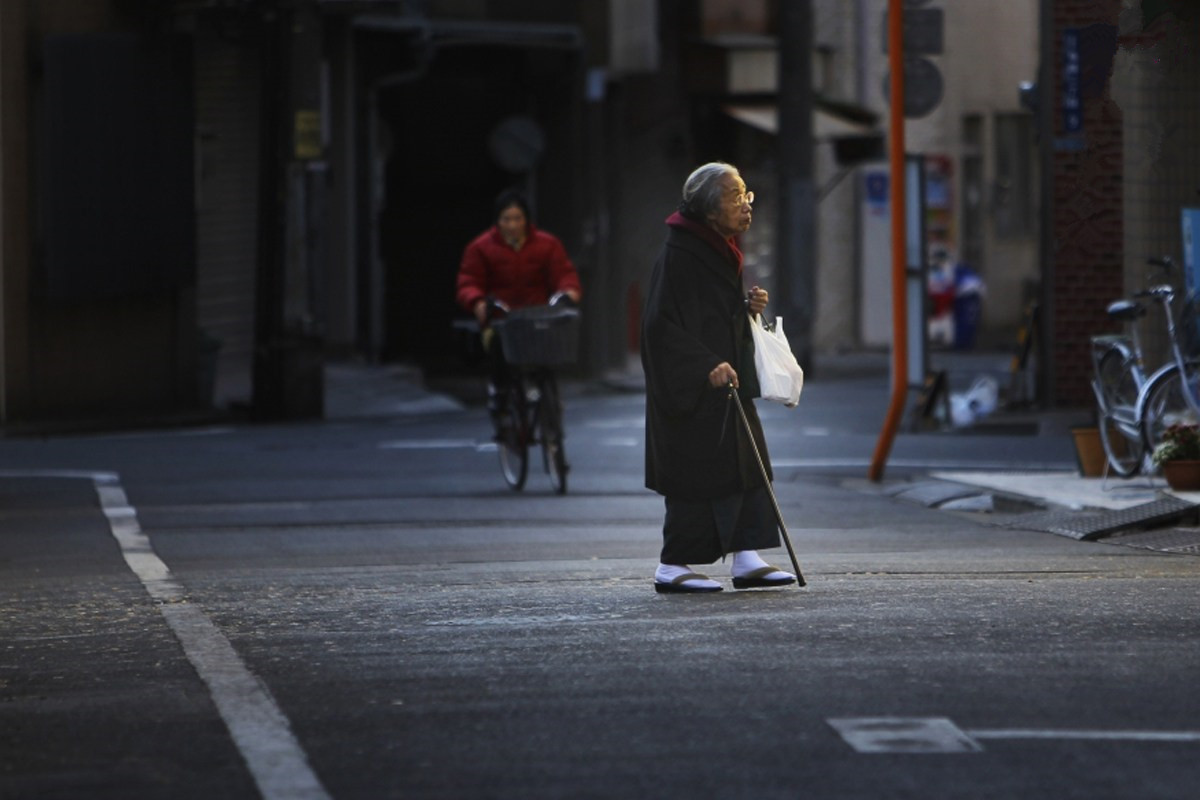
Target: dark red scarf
point(726, 247)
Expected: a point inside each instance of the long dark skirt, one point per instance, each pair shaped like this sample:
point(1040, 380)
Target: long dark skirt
point(703, 531)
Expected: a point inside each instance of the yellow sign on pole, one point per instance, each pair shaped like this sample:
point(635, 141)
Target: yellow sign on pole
point(307, 134)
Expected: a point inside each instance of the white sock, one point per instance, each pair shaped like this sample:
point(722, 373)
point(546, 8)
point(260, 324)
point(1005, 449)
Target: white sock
point(669, 572)
point(746, 561)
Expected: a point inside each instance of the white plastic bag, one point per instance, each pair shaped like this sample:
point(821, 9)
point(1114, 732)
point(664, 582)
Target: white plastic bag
point(984, 394)
point(966, 408)
point(780, 378)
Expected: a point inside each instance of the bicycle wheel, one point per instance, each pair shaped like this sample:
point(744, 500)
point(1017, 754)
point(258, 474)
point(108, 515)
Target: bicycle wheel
point(1117, 380)
point(512, 439)
point(1117, 389)
point(554, 457)
point(1123, 445)
point(1163, 402)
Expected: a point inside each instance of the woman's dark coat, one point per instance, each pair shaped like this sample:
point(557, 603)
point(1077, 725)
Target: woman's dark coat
point(695, 318)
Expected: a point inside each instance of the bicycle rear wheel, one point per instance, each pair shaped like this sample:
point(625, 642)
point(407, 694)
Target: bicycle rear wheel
point(554, 456)
point(1164, 403)
point(512, 441)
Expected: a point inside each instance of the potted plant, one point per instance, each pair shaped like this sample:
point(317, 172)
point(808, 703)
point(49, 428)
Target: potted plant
point(1089, 451)
point(1179, 456)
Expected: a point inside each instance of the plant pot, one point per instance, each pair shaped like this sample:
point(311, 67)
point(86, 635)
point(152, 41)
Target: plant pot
point(1182, 476)
point(1089, 451)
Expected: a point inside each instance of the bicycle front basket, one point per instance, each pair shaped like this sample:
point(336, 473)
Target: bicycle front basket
point(540, 336)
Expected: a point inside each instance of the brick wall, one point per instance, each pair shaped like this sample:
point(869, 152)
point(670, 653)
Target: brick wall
point(1087, 216)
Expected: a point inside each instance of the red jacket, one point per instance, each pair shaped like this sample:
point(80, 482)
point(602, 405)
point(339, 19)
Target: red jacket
point(524, 277)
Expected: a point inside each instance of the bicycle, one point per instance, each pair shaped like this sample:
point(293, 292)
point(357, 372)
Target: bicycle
point(1134, 409)
point(535, 340)
point(1117, 362)
point(1171, 395)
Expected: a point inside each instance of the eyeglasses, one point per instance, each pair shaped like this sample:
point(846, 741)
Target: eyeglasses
point(747, 198)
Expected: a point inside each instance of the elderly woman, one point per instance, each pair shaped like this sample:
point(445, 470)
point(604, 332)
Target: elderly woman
point(695, 343)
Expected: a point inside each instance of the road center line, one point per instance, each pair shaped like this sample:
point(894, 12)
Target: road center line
point(259, 729)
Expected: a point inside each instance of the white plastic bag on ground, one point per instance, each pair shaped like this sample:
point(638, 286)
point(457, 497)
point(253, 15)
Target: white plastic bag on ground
point(985, 395)
point(978, 401)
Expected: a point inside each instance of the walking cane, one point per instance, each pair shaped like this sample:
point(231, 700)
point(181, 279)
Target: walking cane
point(767, 483)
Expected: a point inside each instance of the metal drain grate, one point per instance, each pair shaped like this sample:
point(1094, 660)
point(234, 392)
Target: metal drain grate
point(1089, 525)
point(1185, 541)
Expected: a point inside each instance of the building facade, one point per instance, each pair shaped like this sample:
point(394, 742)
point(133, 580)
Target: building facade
point(205, 200)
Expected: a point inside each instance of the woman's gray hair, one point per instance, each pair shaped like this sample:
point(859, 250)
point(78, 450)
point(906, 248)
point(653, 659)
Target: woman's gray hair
point(702, 189)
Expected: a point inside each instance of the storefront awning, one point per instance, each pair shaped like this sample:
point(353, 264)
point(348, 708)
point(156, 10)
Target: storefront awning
point(826, 125)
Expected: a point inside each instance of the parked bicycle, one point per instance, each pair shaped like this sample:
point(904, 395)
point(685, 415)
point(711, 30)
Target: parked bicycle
point(536, 340)
point(1134, 409)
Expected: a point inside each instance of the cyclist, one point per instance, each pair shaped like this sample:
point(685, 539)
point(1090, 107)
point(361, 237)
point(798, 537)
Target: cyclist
point(511, 265)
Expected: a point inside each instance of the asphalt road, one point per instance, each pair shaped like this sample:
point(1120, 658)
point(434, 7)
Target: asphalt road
point(361, 609)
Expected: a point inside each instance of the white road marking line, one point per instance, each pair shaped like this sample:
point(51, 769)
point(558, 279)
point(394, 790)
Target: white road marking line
point(629, 422)
point(904, 735)
point(434, 444)
point(1107, 736)
point(480, 446)
point(258, 727)
point(940, 735)
point(617, 441)
point(915, 463)
point(96, 477)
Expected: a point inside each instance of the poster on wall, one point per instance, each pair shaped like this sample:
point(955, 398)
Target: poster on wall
point(939, 202)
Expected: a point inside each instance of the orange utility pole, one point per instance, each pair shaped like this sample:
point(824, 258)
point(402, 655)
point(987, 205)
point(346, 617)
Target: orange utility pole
point(899, 240)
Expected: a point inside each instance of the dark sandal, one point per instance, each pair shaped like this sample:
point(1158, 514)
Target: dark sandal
point(757, 579)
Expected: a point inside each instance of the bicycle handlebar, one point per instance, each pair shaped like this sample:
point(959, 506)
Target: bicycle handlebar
point(1160, 292)
point(496, 308)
